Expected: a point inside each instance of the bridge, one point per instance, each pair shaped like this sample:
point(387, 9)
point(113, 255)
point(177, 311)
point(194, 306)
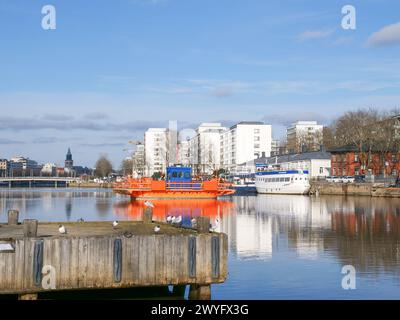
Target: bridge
point(32, 182)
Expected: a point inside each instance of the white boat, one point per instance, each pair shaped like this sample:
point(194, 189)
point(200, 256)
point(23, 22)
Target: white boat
point(283, 182)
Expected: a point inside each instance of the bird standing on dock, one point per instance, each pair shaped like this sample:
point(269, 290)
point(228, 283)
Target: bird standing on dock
point(157, 229)
point(115, 224)
point(61, 229)
point(215, 225)
point(193, 222)
point(169, 219)
point(149, 204)
point(177, 220)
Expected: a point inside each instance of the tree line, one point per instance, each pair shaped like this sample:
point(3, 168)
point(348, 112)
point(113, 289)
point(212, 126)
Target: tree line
point(368, 130)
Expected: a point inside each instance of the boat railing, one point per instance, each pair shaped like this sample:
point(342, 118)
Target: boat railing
point(146, 184)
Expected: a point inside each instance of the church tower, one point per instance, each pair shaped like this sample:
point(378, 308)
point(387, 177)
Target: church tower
point(69, 163)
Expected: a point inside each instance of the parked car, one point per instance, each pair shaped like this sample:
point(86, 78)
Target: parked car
point(348, 179)
point(333, 179)
point(344, 179)
point(359, 178)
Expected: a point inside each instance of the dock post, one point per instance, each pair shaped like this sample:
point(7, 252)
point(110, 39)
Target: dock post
point(200, 292)
point(13, 217)
point(147, 215)
point(203, 224)
point(30, 228)
point(28, 296)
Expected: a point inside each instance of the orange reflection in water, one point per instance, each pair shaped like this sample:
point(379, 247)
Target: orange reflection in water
point(186, 208)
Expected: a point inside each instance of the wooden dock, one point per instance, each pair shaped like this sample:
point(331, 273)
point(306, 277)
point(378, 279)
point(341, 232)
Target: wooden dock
point(35, 257)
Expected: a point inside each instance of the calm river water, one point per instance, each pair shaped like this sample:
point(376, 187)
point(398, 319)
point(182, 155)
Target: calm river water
point(280, 247)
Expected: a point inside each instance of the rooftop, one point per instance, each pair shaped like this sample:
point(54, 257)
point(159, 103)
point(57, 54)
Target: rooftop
point(248, 123)
point(315, 155)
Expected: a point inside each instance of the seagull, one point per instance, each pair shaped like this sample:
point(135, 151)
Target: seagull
point(177, 220)
point(81, 220)
point(193, 222)
point(149, 204)
point(157, 229)
point(169, 219)
point(115, 223)
point(215, 225)
point(61, 229)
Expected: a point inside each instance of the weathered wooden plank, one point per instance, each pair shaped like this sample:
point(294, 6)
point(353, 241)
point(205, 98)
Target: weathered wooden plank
point(83, 262)
point(215, 256)
point(224, 257)
point(192, 257)
point(28, 265)
point(19, 264)
point(37, 262)
point(117, 261)
point(160, 276)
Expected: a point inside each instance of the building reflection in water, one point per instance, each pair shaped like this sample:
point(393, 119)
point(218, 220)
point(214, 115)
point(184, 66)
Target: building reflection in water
point(188, 209)
point(361, 231)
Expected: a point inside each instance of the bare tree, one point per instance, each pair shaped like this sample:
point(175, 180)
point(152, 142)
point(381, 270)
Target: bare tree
point(126, 166)
point(328, 137)
point(103, 167)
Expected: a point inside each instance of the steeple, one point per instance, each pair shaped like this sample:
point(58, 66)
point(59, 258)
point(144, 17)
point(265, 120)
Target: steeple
point(69, 163)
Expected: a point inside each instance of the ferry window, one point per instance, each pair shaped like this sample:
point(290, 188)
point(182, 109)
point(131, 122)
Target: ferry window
point(174, 174)
point(187, 175)
point(282, 179)
point(180, 175)
point(287, 179)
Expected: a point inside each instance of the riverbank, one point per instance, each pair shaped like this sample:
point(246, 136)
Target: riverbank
point(353, 189)
point(90, 185)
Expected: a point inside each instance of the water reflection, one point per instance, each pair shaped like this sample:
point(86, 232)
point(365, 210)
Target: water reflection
point(267, 232)
point(188, 209)
point(364, 232)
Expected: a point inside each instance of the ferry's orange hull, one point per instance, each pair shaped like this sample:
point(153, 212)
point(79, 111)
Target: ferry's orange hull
point(155, 189)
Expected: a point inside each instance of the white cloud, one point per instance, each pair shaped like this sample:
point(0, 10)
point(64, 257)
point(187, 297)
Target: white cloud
point(315, 34)
point(387, 36)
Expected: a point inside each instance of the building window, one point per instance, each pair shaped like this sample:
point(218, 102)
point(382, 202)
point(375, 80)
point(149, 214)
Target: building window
point(356, 158)
point(256, 131)
point(256, 138)
point(321, 170)
point(256, 146)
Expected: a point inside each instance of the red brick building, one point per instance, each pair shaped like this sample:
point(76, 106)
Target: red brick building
point(348, 161)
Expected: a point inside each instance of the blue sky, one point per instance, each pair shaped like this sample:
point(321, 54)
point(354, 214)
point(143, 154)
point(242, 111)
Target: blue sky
point(113, 68)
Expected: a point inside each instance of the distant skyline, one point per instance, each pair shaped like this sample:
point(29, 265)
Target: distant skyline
point(112, 69)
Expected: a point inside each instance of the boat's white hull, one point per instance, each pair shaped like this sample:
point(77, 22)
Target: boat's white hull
point(282, 189)
point(283, 183)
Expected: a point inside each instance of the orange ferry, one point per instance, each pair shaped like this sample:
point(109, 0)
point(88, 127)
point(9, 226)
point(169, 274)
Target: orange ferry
point(177, 185)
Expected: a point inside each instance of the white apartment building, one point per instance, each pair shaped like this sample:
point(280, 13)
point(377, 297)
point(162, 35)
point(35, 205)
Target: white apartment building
point(245, 142)
point(184, 152)
point(156, 150)
point(304, 136)
point(49, 169)
point(204, 147)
